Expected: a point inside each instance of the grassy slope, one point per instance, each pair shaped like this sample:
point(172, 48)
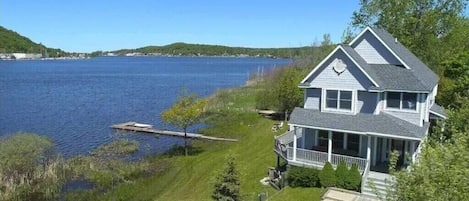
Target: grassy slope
point(191, 178)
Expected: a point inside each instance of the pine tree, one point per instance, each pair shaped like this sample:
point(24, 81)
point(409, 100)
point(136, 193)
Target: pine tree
point(227, 184)
point(327, 176)
point(353, 178)
point(341, 173)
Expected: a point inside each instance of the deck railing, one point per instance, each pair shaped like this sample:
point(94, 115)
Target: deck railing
point(320, 158)
point(349, 160)
point(305, 155)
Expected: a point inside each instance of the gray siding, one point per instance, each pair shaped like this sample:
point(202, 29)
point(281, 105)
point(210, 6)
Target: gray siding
point(366, 102)
point(373, 51)
point(312, 99)
point(352, 78)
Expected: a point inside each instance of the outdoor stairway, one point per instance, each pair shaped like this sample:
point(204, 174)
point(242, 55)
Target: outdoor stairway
point(381, 181)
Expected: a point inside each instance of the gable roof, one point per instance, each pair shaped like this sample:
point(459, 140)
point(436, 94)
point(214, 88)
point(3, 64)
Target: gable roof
point(414, 76)
point(352, 55)
point(424, 75)
point(382, 124)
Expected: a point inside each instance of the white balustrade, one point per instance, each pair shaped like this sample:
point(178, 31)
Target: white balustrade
point(317, 157)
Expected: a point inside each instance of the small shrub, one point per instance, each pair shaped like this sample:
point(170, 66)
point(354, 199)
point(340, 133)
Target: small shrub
point(353, 179)
point(303, 177)
point(327, 176)
point(341, 173)
point(227, 184)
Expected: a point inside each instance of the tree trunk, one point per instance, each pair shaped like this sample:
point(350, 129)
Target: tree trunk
point(185, 142)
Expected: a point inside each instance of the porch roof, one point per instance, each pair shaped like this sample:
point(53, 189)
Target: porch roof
point(382, 124)
point(438, 111)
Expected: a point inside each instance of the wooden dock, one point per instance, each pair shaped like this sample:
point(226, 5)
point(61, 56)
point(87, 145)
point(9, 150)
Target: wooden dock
point(131, 126)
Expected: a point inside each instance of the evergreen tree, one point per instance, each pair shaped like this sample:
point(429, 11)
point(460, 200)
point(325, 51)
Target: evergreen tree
point(227, 185)
point(341, 173)
point(353, 178)
point(327, 176)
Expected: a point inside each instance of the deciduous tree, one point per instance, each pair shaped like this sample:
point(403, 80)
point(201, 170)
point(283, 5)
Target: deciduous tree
point(186, 112)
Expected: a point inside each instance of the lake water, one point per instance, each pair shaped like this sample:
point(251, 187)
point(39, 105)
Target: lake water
point(75, 101)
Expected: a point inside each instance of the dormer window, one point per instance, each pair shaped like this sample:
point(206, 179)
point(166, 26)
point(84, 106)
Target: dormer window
point(401, 101)
point(339, 100)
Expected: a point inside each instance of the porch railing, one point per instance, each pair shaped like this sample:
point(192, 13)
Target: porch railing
point(349, 160)
point(365, 174)
point(305, 155)
point(320, 158)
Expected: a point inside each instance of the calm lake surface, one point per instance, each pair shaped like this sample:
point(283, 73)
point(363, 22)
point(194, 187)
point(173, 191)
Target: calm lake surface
point(75, 101)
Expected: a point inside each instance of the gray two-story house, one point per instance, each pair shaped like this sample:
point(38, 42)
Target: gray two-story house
point(363, 101)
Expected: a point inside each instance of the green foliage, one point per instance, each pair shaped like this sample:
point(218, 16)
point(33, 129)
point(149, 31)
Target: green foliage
point(227, 184)
point(327, 176)
point(303, 177)
point(441, 172)
point(280, 90)
point(341, 174)
point(185, 49)
point(12, 42)
point(29, 169)
point(117, 147)
point(185, 112)
point(433, 30)
point(106, 166)
point(454, 85)
point(353, 179)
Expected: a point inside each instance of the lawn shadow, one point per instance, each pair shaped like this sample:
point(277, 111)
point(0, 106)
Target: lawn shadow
point(178, 150)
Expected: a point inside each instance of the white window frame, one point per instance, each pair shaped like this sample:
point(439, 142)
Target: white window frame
point(337, 109)
point(401, 109)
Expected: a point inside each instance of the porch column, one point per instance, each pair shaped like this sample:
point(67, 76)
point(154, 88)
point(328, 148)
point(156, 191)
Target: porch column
point(368, 149)
point(406, 148)
point(412, 150)
point(345, 141)
point(316, 135)
point(303, 136)
point(360, 142)
point(329, 147)
point(375, 144)
point(294, 142)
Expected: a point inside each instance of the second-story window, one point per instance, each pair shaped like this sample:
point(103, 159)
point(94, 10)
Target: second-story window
point(339, 100)
point(401, 100)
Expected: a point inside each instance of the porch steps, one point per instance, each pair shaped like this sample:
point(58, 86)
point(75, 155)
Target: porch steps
point(380, 181)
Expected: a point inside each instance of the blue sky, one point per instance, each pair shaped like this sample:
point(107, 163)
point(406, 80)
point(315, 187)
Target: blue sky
point(86, 25)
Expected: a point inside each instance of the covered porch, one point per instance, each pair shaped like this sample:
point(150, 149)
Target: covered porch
point(315, 147)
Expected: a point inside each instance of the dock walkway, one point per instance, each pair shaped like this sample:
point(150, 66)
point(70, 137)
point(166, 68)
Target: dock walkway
point(133, 126)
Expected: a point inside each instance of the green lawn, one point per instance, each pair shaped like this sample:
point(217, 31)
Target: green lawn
point(192, 177)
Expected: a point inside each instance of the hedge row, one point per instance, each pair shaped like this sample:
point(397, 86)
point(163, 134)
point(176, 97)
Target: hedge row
point(342, 177)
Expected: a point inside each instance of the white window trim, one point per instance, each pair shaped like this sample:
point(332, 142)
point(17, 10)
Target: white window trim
point(400, 109)
point(324, 96)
